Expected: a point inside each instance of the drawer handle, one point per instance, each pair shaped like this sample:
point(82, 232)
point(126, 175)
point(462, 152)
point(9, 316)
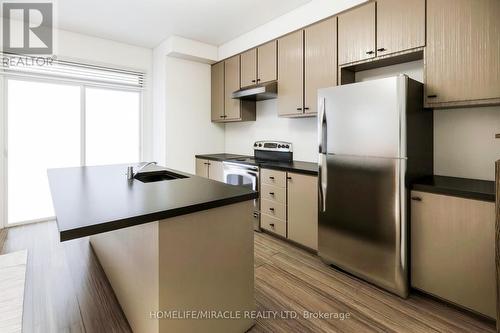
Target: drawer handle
point(416, 198)
point(271, 225)
point(370, 52)
point(290, 178)
point(382, 49)
point(432, 96)
point(271, 209)
point(271, 193)
point(271, 177)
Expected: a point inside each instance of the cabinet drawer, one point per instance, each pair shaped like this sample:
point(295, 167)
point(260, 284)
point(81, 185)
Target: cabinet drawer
point(273, 177)
point(273, 193)
point(273, 208)
point(273, 224)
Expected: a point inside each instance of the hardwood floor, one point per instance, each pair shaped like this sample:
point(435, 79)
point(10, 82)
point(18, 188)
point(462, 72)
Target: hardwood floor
point(67, 291)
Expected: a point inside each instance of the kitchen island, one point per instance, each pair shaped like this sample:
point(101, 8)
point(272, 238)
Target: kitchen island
point(178, 252)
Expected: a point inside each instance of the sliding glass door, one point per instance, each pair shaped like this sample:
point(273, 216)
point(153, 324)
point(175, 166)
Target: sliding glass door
point(54, 125)
point(43, 131)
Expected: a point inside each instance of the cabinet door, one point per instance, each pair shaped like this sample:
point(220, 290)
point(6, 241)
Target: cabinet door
point(357, 34)
point(267, 61)
point(320, 62)
point(453, 250)
point(291, 74)
point(217, 92)
point(462, 58)
point(400, 25)
point(231, 84)
point(202, 167)
point(248, 68)
point(216, 171)
point(303, 209)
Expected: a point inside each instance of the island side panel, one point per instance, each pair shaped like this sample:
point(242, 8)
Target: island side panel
point(207, 263)
point(130, 260)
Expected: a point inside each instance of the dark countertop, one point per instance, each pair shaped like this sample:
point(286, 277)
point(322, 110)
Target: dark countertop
point(220, 157)
point(309, 168)
point(459, 187)
point(96, 199)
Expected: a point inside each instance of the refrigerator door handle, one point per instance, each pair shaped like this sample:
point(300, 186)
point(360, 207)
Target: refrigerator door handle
point(323, 181)
point(322, 127)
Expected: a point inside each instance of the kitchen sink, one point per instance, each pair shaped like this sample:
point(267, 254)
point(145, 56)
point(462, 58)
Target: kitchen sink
point(158, 176)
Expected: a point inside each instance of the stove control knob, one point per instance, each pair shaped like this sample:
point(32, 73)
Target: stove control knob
point(287, 146)
point(279, 146)
point(255, 145)
point(260, 144)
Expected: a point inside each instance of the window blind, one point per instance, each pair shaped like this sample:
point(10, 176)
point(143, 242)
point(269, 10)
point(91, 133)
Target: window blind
point(21, 65)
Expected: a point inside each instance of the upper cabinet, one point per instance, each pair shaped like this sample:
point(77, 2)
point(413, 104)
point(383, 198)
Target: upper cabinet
point(291, 74)
point(400, 25)
point(357, 34)
point(381, 28)
point(226, 80)
point(259, 65)
point(320, 63)
point(217, 104)
point(248, 68)
point(462, 59)
point(307, 61)
point(267, 62)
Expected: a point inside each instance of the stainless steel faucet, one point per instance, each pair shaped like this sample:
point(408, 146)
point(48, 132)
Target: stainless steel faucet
point(130, 170)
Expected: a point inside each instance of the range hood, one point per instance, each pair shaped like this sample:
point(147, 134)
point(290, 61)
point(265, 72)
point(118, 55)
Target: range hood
point(259, 92)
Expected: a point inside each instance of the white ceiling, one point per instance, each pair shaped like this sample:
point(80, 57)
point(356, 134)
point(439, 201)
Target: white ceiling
point(148, 22)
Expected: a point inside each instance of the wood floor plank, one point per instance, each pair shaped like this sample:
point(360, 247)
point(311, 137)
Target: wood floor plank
point(12, 282)
point(67, 291)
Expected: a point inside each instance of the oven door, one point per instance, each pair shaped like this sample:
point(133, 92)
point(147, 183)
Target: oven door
point(244, 175)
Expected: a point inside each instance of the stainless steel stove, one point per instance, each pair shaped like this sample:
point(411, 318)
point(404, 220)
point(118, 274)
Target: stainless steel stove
point(245, 171)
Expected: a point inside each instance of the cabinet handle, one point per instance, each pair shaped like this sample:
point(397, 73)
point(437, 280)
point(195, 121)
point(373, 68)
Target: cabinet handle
point(299, 109)
point(271, 193)
point(416, 198)
point(253, 80)
point(289, 178)
point(306, 108)
point(271, 177)
point(382, 49)
point(258, 80)
point(370, 52)
point(432, 96)
point(271, 225)
point(271, 209)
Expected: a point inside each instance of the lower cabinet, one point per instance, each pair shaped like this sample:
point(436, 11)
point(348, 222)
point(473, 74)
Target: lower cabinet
point(453, 250)
point(210, 169)
point(303, 209)
point(289, 206)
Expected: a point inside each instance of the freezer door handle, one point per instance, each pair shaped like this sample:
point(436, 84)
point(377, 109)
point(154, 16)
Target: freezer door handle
point(323, 181)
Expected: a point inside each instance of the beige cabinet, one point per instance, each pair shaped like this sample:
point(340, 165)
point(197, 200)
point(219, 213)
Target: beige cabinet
point(462, 58)
point(210, 169)
point(400, 25)
point(217, 96)
point(303, 209)
point(248, 68)
point(259, 65)
point(453, 250)
point(234, 109)
point(202, 167)
point(291, 74)
point(320, 63)
point(307, 61)
point(267, 62)
point(356, 34)
point(289, 206)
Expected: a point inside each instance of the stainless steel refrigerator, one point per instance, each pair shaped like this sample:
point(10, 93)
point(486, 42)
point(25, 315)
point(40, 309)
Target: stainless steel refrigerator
point(374, 139)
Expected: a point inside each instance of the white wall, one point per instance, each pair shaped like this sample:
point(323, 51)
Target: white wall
point(189, 130)
point(301, 132)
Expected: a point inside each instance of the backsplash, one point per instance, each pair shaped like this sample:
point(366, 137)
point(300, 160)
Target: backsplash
point(301, 132)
